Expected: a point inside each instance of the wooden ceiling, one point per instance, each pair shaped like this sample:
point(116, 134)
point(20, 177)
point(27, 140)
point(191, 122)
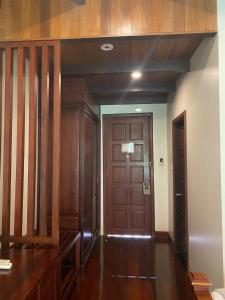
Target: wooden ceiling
point(162, 59)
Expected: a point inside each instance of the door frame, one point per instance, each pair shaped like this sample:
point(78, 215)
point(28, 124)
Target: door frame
point(151, 158)
point(181, 117)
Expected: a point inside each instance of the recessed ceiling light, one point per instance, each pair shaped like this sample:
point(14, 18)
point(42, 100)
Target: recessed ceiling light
point(136, 75)
point(138, 109)
point(107, 47)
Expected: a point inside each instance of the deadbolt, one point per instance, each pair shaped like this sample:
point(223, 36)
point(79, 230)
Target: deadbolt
point(146, 187)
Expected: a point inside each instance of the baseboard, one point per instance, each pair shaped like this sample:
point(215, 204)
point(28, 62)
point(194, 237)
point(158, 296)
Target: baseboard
point(162, 237)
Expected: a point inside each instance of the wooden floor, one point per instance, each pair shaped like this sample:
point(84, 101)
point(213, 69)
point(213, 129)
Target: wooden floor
point(122, 269)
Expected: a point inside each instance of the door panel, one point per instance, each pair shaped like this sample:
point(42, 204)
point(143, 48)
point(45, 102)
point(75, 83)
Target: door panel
point(127, 209)
point(137, 197)
point(180, 201)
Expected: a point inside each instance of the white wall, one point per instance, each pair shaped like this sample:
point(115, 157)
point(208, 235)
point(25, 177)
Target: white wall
point(221, 38)
point(198, 94)
point(160, 150)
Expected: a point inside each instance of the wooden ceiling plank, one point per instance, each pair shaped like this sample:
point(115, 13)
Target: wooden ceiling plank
point(147, 87)
point(120, 99)
point(178, 66)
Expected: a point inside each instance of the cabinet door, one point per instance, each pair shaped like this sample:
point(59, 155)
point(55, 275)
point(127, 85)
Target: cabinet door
point(50, 286)
point(94, 178)
point(87, 180)
point(34, 295)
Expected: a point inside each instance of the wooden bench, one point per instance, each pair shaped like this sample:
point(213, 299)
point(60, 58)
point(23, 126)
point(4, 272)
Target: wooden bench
point(201, 286)
point(42, 273)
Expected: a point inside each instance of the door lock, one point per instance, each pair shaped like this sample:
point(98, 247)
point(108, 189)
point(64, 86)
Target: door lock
point(146, 187)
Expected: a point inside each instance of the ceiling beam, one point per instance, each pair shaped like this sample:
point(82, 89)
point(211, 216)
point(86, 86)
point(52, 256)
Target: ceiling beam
point(122, 89)
point(178, 66)
point(110, 100)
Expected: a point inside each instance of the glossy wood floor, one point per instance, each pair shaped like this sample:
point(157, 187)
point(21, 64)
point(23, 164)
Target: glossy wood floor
point(122, 269)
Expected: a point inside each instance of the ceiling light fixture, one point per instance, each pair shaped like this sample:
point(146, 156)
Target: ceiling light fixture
point(136, 75)
point(107, 47)
point(138, 109)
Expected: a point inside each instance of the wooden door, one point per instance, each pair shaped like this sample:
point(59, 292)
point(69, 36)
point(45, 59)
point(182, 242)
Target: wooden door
point(128, 206)
point(180, 185)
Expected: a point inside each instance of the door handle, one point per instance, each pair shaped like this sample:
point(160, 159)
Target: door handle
point(146, 187)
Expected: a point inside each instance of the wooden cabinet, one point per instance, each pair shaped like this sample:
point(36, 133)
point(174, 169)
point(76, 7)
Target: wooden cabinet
point(38, 274)
point(80, 174)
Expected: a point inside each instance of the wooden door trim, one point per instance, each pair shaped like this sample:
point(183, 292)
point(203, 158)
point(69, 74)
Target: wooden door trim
point(151, 158)
point(176, 121)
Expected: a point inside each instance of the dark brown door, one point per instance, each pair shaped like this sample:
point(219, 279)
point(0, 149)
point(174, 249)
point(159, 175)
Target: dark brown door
point(180, 182)
point(127, 175)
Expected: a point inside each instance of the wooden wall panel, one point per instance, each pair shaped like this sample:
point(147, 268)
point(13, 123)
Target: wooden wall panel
point(41, 19)
point(190, 15)
point(201, 15)
point(146, 10)
point(211, 15)
point(179, 16)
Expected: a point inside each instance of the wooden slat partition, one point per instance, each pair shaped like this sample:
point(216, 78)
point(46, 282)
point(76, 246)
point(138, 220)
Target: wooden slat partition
point(36, 54)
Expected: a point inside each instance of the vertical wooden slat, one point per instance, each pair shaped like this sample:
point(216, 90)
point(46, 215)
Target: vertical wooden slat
point(116, 17)
point(157, 17)
point(32, 140)
point(126, 10)
point(105, 17)
point(211, 15)
point(179, 16)
point(146, 16)
point(0, 106)
point(20, 144)
point(136, 16)
point(201, 16)
point(190, 15)
point(44, 139)
point(7, 144)
point(56, 144)
point(168, 16)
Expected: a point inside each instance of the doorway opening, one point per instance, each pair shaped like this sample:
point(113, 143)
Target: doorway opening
point(128, 175)
point(180, 188)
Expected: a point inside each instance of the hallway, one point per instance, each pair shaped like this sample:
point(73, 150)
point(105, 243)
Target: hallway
point(132, 269)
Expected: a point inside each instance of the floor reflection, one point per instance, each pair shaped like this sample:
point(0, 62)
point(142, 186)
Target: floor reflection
point(132, 269)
